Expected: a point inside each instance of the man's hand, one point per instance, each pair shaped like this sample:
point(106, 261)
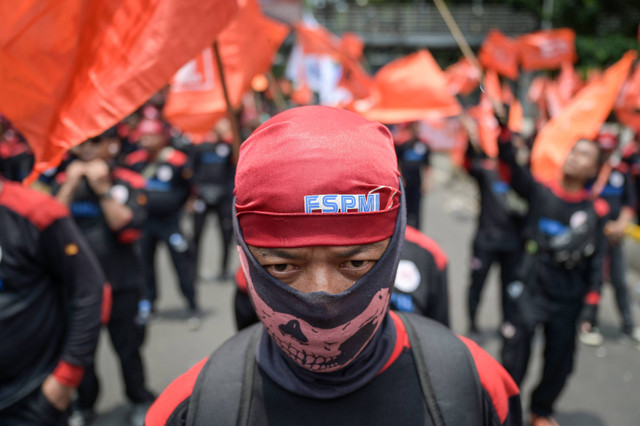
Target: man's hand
point(57, 394)
point(75, 171)
point(97, 172)
point(614, 230)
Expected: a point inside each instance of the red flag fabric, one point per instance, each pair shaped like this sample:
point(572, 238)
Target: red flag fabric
point(628, 103)
point(408, 89)
point(486, 124)
point(73, 68)
point(352, 45)
point(247, 48)
point(547, 49)
point(462, 77)
point(581, 118)
point(569, 82)
point(500, 53)
point(317, 40)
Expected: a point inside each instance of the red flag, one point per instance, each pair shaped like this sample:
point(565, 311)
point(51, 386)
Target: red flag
point(408, 89)
point(581, 118)
point(462, 77)
point(569, 82)
point(500, 53)
point(628, 103)
point(317, 40)
point(352, 45)
point(247, 48)
point(72, 68)
point(487, 125)
point(547, 49)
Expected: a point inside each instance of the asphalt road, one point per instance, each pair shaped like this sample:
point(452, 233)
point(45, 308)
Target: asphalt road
point(603, 390)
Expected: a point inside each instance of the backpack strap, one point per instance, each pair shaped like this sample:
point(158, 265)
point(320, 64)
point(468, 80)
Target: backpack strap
point(446, 371)
point(224, 385)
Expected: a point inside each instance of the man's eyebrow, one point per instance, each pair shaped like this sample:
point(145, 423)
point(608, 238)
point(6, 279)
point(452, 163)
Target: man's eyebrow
point(361, 248)
point(271, 252)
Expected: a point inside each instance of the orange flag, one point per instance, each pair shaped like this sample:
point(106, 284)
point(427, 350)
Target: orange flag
point(500, 53)
point(462, 77)
point(569, 82)
point(628, 103)
point(352, 45)
point(247, 47)
point(318, 40)
point(408, 89)
point(73, 68)
point(547, 49)
point(581, 118)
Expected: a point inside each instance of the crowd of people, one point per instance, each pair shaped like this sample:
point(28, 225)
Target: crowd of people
point(327, 246)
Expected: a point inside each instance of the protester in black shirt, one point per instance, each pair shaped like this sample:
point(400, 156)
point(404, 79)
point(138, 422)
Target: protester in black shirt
point(108, 205)
point(498, 233)
point(565, 247)
point(319, 221)
point(51, 288)
point(168, 185)
point(413, 161)
point(213, 172)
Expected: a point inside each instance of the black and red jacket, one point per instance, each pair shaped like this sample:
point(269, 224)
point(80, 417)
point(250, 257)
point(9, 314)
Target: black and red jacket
point(168, 180)
point(50, 294)
point(564, 233)
point(421, 285)
point(401, 399)
point(115, 250)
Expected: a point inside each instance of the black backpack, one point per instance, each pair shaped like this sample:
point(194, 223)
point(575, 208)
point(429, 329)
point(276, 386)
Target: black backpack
point(448, 377)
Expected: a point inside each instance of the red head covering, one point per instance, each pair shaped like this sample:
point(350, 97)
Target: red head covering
point(607, 141)
point(150, 126)
point(317, 176)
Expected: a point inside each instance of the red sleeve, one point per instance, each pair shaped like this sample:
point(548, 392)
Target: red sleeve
point(177, 392)
point(68, 374)
point(494, 378)
point(413, 235)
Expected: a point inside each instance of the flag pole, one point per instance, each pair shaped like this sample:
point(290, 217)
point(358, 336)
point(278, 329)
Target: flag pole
point(231, 111)
point(278, 96)
point(455, 31)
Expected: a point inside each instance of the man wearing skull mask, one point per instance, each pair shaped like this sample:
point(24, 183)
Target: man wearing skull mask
point(319, 220)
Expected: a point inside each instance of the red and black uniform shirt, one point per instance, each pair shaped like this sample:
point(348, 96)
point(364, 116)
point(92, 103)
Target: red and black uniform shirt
point(421, 284)
point(50, 294)
point(564, 232)
point(115, 250)
point(213, 171)
point(393, 397)
point(168, 180)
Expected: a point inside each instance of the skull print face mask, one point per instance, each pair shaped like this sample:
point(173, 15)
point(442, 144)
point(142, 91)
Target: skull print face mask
point(321, 332)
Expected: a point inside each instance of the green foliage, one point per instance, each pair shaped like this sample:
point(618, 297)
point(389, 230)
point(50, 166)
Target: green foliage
point(594, 51)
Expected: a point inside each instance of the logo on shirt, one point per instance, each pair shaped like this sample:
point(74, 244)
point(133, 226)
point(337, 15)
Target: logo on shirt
point(71, 249)
point(408, 276)
point(341, 203)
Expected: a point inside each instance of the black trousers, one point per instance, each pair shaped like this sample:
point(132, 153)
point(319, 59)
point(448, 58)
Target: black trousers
point(33, 410)
point(222, 209)
point(182, 254)
point(559, 321)
point(126, 338)
point(510, 263)
point(617, 272)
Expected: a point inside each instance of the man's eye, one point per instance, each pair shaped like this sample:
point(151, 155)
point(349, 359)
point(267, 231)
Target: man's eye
point(357, 263)
point(281, 267)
